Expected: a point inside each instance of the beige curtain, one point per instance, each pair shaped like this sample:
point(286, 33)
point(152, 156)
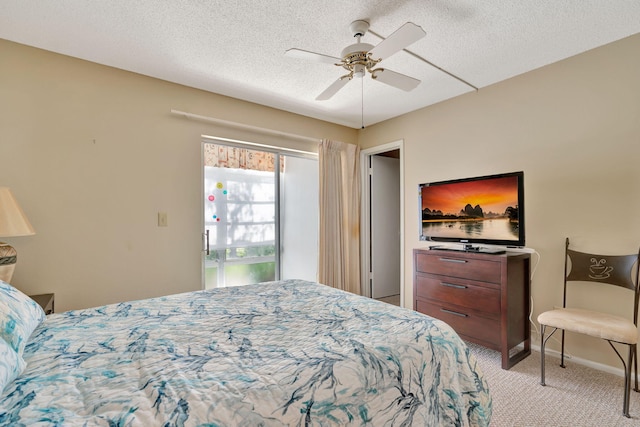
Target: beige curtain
point(339, 240)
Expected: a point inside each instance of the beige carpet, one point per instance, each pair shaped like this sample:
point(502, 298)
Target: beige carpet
point(393, 299)
point(576, 396)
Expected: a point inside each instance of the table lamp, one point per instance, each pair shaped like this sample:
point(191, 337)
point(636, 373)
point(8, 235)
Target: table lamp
point(13, 223)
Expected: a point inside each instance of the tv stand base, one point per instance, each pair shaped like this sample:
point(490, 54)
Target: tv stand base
point(471, 248)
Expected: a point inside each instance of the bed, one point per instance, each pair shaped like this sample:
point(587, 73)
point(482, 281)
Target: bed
point(288, 353)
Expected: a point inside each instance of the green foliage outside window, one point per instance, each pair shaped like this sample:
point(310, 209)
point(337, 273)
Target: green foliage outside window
point(243, 274)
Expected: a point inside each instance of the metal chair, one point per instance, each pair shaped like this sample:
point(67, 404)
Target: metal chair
point(617, 270)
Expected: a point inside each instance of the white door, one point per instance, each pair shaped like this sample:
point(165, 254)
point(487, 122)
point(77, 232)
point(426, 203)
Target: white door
point(385, 226)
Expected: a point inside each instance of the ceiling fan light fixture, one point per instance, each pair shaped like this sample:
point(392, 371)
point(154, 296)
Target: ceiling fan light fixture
point(362, 58)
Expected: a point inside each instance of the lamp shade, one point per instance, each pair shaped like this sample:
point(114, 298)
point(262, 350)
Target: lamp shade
point(13, 221)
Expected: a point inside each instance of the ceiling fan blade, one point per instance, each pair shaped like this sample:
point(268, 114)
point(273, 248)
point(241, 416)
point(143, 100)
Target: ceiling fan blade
point(401, 38)
point(312, 56)
point(394, 79)
point(334, 88)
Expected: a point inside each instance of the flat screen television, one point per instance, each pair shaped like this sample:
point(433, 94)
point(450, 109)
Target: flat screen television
point(474, 211)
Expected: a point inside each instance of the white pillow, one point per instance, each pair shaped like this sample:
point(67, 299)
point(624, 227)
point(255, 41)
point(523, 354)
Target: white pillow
point(19, 316)
point(11, 365)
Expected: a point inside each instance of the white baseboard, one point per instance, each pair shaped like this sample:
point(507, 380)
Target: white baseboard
point(584, 362)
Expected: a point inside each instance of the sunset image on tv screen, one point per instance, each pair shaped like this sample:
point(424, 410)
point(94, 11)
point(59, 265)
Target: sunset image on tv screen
point(486, 208)
point(494, 195)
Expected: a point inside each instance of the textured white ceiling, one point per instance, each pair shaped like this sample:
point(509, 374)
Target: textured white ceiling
point(236, 48)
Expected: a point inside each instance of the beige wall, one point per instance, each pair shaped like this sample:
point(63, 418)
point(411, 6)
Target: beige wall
point(93, 154)
point(574, 129)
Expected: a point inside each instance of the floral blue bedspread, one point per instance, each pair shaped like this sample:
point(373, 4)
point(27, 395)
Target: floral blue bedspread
point(290, 353)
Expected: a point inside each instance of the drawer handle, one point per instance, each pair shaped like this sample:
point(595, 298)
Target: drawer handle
point(459, 261)
point(452, 285)
point(453, 312)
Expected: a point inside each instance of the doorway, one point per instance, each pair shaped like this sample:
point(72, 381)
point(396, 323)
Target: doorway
point(383, 223)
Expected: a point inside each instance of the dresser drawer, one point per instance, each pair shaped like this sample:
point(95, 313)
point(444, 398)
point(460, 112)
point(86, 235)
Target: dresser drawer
point(459, 265)
point(460, 292)
point(465, 322)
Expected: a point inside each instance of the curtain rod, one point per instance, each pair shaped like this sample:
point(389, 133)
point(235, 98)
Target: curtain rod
point(263, 147)
point(244, 126)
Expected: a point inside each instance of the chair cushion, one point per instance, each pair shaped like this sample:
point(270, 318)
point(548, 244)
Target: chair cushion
point(592, 323)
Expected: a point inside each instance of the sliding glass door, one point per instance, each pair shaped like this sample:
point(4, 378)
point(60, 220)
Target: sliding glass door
point(259, 216)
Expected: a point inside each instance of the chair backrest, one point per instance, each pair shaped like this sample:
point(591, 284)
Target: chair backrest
point(616, 270)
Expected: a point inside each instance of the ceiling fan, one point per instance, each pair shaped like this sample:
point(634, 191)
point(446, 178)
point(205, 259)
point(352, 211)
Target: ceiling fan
point(360, 58)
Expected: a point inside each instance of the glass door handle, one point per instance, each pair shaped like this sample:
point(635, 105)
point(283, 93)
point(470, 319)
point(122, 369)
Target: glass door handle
point(205, 241)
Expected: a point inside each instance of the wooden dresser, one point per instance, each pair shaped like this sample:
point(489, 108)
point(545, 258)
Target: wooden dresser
point(484, 297)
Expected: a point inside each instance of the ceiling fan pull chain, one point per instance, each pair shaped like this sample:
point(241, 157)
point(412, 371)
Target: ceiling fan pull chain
point(362, 104)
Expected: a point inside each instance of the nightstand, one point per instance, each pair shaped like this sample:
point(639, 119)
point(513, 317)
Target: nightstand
point(45, 301)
